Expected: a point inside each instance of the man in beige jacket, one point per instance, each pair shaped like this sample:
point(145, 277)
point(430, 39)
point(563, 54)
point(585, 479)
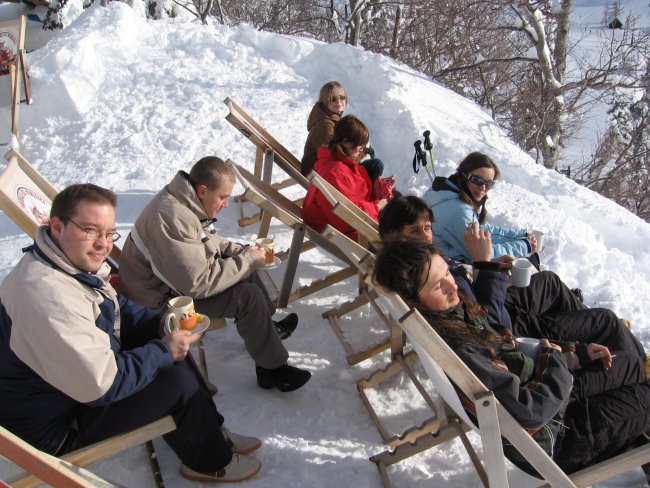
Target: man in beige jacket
point(173, 249)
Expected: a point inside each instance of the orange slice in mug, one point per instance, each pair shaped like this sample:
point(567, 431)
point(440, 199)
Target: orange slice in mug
point(188, 323)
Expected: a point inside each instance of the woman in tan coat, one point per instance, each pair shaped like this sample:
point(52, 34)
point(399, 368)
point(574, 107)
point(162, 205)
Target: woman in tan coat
point(327, 111)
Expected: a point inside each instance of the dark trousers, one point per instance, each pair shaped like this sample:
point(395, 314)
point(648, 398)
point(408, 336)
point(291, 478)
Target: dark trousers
point(177, 390)
point(546, 295)
point(249, 304)
point(601, 426)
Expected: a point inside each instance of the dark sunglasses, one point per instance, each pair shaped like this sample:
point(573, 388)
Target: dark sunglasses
point(480, 181)
point(336, 98)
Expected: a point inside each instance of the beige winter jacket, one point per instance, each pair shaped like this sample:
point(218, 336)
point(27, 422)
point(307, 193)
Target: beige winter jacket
point(183, 247)
point(320, 125)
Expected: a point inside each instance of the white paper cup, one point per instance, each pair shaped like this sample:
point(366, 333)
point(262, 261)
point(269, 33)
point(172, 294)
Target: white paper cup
point(539, 235)
point(528, 346)
point(520, 273)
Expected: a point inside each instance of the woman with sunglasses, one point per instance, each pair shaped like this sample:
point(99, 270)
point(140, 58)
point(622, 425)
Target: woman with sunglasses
point(339, 164)
point(459, 200)
point(583, 402)
point(327, 111)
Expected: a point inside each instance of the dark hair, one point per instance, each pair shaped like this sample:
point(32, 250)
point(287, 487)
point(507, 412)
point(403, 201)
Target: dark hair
point(326, 92)
point(477, 160)
point(400, 212)
point(349, 129)
point(211, 172)
point(471, 162)
point(64, 204)
point(399, 267)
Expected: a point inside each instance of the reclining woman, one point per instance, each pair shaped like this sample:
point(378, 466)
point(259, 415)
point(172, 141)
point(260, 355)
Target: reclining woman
point(338, 164)
point(327, 111)
point(545, 308)
point(564, 396)
point(460, 200)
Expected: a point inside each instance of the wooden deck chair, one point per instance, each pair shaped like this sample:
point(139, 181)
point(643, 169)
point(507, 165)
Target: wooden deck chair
point(49, 469)
point(368, 232)
point(26, 197)
point(276, 205)
point(269, 152)
point(41, 467)
point(443, 367)
point(402, 363)
point(12, 63)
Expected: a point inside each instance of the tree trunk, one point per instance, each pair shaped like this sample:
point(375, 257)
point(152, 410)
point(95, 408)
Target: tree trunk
point(396, 29)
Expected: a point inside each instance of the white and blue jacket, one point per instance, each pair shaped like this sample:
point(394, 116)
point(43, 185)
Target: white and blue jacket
point(67, 340)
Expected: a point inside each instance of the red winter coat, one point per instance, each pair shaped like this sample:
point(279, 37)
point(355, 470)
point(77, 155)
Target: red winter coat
point(349, 178)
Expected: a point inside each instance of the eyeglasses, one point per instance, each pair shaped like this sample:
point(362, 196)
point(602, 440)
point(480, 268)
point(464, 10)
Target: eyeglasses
point(480, 181)
point(93, 234)
point(337, 98)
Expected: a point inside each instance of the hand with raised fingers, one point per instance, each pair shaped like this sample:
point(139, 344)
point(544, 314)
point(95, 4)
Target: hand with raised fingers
point(478, 242)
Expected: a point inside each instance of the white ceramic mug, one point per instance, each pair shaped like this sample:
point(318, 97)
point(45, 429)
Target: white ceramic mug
point(528, 346)
point(180, 315)
point(268, 245)
point(520, 273)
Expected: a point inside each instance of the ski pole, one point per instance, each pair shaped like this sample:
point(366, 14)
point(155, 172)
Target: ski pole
point(417, 157)
point(428, 146)
point(421, 157)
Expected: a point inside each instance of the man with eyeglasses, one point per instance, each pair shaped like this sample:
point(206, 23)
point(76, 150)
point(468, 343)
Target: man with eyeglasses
point(80, 363)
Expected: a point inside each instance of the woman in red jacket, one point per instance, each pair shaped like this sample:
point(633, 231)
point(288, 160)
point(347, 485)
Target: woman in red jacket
point(338, 163)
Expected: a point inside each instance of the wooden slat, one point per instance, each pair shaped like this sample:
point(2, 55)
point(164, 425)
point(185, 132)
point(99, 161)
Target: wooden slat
point(48, 468)
point(253, 131)
point(102, 450)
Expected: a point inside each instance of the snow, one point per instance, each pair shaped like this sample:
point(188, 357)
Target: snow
point(125, 103)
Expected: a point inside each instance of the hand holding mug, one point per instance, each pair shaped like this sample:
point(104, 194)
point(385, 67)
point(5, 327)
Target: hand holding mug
point(179, 342)
point(257, 254)
point(532, 238)
point(267, 245)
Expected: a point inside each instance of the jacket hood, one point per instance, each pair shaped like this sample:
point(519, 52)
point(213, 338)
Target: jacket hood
point(183, 191)
point(51, 252)
point(442, 190)
point(318, 113)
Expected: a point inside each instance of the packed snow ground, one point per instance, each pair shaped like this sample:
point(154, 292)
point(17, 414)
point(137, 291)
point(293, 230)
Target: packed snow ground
point(124, 103)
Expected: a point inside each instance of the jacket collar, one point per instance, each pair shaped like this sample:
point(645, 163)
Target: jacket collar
point(320, 112)
point(183, 191)
point(47, 250)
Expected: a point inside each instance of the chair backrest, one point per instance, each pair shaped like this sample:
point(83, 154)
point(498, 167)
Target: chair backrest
point(272, 201)
point(26, 196)
point(263, 140)
point(347, 211)
point(267, 198)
